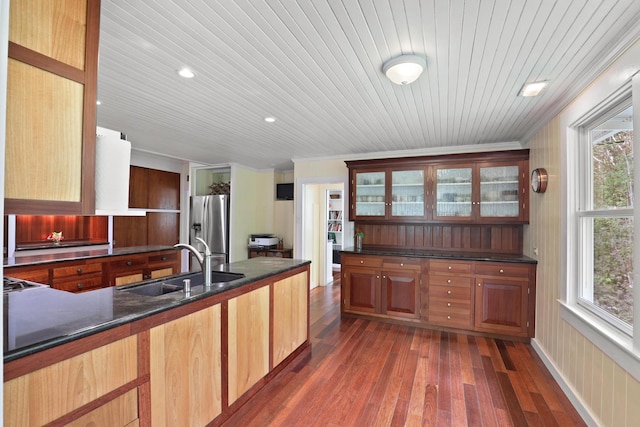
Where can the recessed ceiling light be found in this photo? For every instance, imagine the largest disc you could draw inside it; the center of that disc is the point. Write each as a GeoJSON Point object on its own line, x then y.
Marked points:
{"type": "Point", "coordinates": [186, 73]}
{"type": "Point", "coordinates": [269, 119]}
{"type": "Point", "coordinates": [98, 102]}
{"type": "Point", "coordinates": [532, 89]}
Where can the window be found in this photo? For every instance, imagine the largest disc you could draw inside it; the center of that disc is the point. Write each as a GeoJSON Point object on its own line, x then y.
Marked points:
{"type": "Point", "coordinates": [605, 216]}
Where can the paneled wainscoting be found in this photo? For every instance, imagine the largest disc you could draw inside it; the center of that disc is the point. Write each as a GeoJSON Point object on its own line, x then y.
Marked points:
{"type": "Point", "coordinates": [366, 373]}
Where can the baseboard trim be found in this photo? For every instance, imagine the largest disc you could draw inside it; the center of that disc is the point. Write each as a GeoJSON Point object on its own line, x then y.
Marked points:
{"type": "Point", "coordinates": [566, 388]}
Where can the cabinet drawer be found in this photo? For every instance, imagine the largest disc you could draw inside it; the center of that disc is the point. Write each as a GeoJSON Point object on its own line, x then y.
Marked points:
{"type": "Point", "coordinates": [128, 263]}
{"type": "Point", "coordinates": [38, 276]}
{"type": "Point", "coordinates": [164, 258]}
{"type": "Point", "coordinates": [450, 280]}
{"type": "Point", "coordinates": [80, 284]}
{"type": "Point", "coordinates": [450, 266]}
{"type": "Point", "coordinates": [454, 320]}
{"type": "Point", "coordinates": [364, 261]}
{"type": "Point", "coordinates": [76, 270]}
{"type": "Point", "coordinates": [451, 293]}
{"type": "Point", "coordinates": [502, 269]}
{"type": "Point", "coordinates": [450, 306]}
{"type": "Point", "coordinates": [401, 264]}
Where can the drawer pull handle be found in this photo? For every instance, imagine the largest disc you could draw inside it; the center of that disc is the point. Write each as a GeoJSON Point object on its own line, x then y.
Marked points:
{"type": "Point", "coordinates": [479, 284]}
{"type": "Point", "coordinates": [448, 292]}
{"type": "Point", "coordinates": [80, 285]}
{"type": "Point", "coordinates": [377, 277]}
{"type": "Point", "coordinates": [79, 271]}
{"type": "Point", "coordinates": [501, 271]}
{"type": "Point", "coordinates": [401, 264]}
{"type": "Point", "coordinates": [448, 304]}
{"type": "Point", "coordinates": [448, 317]}
{"type": "Point", "coordinates": [449, 281]}
{"type": "Point", "coordinates": [450, 267]}
{"type": "Point", "coordinates": [164, 258]}
{"type": "Point", "coordinates": [361, 262]}
{"type": "Point", "coordinates": [129, 263]}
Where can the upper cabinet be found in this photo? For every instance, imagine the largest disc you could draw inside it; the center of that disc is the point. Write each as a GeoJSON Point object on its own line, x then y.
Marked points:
{"type": "Point", "coordinates": [477, 188]}
{"type": "Point", "coordinates": [51, 107]}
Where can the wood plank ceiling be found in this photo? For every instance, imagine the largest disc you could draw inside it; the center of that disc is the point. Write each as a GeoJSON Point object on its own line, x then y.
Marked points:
{"type": "Point", "coordinates": [316, 66]}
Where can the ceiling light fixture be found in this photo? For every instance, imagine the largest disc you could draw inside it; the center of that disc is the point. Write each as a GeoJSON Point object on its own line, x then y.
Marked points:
{"type": "Point", "coordinates": [404, 69]}
{"type": "Point", "coordinates": [269, 119]}
{"type": "Point", "coordinates": [186, 73]}
{"type": "Point", "coordinates": [532, 89]}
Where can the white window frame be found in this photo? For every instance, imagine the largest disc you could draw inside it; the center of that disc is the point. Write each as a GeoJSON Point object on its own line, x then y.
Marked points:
{"type": "Point", "coordinates": [604, 330]}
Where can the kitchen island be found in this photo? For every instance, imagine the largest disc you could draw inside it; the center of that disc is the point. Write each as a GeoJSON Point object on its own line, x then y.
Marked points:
{"type": "Point", "coordinates": [120, 357]}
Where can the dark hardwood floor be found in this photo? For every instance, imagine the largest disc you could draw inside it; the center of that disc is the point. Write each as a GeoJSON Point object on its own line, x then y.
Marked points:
{"type": "Point", "coordinates": [366, 373]}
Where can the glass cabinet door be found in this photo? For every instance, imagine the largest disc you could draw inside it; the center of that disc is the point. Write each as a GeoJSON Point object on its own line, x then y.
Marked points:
{"type": "Point", "coordinates": [453, 192]}
{"type": "Point", "coordinates": [370, 194]}
{"type": "Point", "coordinates": [407, 193]}
{"type": "Point", "coordinates": [499, 195]}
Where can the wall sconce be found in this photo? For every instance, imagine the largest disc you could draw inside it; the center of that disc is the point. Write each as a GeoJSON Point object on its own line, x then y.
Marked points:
{"type": "Point", "coordinates": [404, 69]}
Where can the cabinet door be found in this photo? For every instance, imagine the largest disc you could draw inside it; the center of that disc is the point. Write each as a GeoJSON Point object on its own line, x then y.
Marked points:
{"type": "Point", "coordinates": [501, 192]}
{"type": "Point", "coordinates": [248, 332]}
{"type": "Point", "coordinates": [369, 198]}
{"type": "Point", "coordinates": [186, 378]}
{"type": "Point", "coordinates": [453, 193]}
{"type": "Point", "coordinates": [127, 270]}
{"type": "Point", "coordinates": [501, 306]}
{"type": "Point", "coordinates": [407, 193]}
{"type": "Point", "coordinates": [401, 293]}
{"type": "Point", "coordinates": [361, 290]}
{"type": "Point", "coordinates": [164, 190]}
{"type": "Point", "coordinates": [138, 187]}
{"type": "Point", "coordinates": [290, 322]}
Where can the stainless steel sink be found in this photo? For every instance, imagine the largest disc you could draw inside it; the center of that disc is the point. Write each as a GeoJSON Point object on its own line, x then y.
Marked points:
{"type": "Point", "coordinates": [175, 284]}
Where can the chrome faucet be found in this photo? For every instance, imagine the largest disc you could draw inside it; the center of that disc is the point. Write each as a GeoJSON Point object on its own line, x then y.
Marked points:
{"type": "Point", "coordinates": [205, 261]}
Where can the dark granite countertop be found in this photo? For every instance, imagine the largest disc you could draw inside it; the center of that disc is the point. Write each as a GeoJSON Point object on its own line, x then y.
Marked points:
{"type": "Point", "coordinates": [416, 253]}
{"type": "Point", "coordinates": [63, 244]}
{"type": "Point", "coordinates": [38, 319]}
{"type": "Point", "coordinates": [71, 255]}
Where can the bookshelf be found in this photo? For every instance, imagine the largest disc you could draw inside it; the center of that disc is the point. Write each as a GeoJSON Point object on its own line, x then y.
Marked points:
{"type": "Point", "coordinates": [335, 220]}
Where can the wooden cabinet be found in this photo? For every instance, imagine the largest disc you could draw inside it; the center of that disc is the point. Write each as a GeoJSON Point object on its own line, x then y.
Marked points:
{"type": "Point", "coordinates": [94, 273]}
{"type": "Point", "coordinates": [450, 291]}
{"type": "Point", "coordinates": [482, 296]}
{"type": "Point", "coordinates": [80, 277]}
{"type": "Point", "coordinates": [248, 336]}
{"type": "Point", "coordinates": [47, 394]}
{"type": "Point", "coordinates": [51, 107]}
{"type": "Point", "coordinates": [278, 253]}
{"type": "Point", "coordinates": [381, 285]}
{"type": "Point", "coordinates": [503, 301]}
{"type": "Point", "coordinates": [124, 270]}
{"type": "Point", "coordinates": [186, 359]}
{"type": "Point", "coordinates": [158, 191]}
{"type": "Point", "coordinates": [290, 316]}
{"type": "Point", "coordinates": [477, 188]}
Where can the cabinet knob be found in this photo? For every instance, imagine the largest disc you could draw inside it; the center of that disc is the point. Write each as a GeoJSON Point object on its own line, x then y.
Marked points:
{"type": "Point", "coordinates": [164, 258]}
{"type": "Point", "coordinates": [377, 277]}
{"type": "Point", "coordinates": [448, 292]}
{"type": "Point", "coordinates": [361, 262]}
{"type": "Point", "coordinates": [450, 267]}
{"type": "Point", "coordinates": [449, 281]}
{"type": "Point", "coordinates": [384, 277]}
{"type": "Point", "coordinates": [448, 304]}
{"type": "Point", "coordinates": [479, 284]}
{"type": "Point", "coordinates": [80, 285]}
{"type": "Point", "coordinates": [79, 271]}
{"type": "Point", "coordinates": [129, 263]}
{"type": "Point", "coordinates": [501, 271]}
{"type": "Point", "coordinates": [401, 264]}
{"type": "Point", "coordinates": [448, 317]}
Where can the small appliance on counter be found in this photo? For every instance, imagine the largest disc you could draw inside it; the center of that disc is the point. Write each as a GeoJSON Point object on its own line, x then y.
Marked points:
{"type": "Point", "coordinates": [263, 241]}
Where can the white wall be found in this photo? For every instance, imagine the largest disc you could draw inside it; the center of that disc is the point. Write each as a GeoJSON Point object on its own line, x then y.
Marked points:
{"type": "Point", "coordinates": [598, 385]}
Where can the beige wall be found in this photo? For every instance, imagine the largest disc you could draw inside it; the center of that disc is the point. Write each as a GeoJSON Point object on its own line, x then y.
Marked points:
{"type": "Point", "coordinates": [283, 225]}
{"type": "Point", "coordinates": [605, 390]}
{"type": "Point", "coordinates": [252, 207]}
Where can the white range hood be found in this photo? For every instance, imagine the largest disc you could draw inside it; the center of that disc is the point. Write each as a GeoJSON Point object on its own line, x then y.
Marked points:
{"type": "Point", "coordinates": [113, 158]}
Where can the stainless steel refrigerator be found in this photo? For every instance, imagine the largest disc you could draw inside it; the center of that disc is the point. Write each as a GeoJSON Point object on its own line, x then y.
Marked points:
{"type": "Point", "coordinates": [210, 221]}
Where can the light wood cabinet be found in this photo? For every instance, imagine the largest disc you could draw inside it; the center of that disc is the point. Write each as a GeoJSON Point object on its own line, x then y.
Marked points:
{"type": "Point", "coordinates": [46, 394]}
{"type": "Point", "coordinates": [186, 369]}
{"type": "Point", "coordinates": [248, 347]}
{"type": "Point", "coordinates": [121, 411]}
{"type": "Point", "coordinates": [124, 270]}
{"type": "Point", "coordinates": [290, 315]}
{"type": "Point", "coordinates": [51, 107]}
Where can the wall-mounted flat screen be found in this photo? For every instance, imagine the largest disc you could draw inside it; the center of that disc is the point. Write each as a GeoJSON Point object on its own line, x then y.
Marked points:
{"type": "Point", "coordinates": [284, 191]}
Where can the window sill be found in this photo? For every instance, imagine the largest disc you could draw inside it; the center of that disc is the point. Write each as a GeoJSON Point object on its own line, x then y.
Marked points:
{"type": "Point", "coordinates": [610, 341]}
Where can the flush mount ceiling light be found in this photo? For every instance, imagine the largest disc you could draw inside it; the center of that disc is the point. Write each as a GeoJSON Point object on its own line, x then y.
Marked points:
{"type": "Point", "coordinates": [532, 89]}
{"type": "Point", "coordinates": [404, 69]}
{"type": "Point", "coordinates": [269, 119]}
{"type": "Point", "coordinates": [186, 73]}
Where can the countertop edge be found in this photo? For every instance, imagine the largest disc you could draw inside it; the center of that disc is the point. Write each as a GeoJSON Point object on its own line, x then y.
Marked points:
{"type": "Point", "coordinates": [467, 256]}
